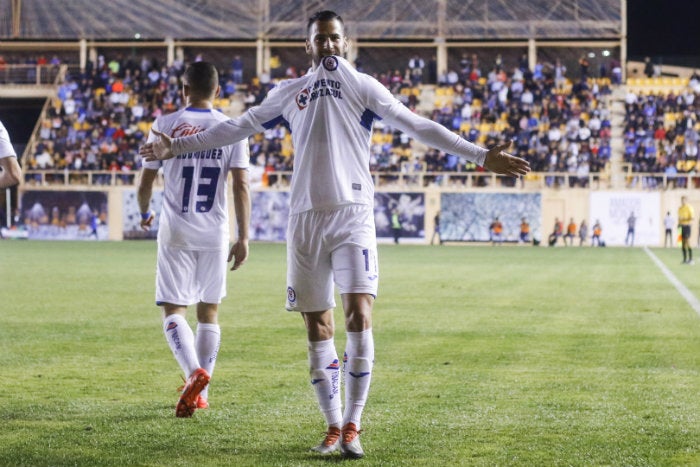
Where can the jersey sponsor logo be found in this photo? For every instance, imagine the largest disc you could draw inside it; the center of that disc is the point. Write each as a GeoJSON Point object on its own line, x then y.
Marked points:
{"type": "Point", "coordinates": [302, 99]}
{"type": "Point", "coordinates": [330, 63]}
{"type": "Point", "coordinates": [291, 296]}
{"type": "Point", "coordinates": [356, 186]}
{"type": "Point", "coordinates": [320, 88]}
{"type": "Point", "coordinates": [186, 129]}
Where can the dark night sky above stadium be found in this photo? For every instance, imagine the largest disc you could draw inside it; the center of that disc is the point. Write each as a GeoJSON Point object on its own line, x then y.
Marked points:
{"type": "Point", "coordinates": [663, 27]}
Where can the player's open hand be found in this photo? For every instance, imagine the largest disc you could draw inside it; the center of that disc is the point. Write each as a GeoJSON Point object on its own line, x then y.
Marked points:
{"type": "Point", "coordinates": [238, 253]}
{"type": "Point", "coordinates": [158, 150]}
{"type": "Point", "coordinates": [500, 162]}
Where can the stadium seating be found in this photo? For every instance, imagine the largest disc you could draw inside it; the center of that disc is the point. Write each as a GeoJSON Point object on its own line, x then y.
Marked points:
{"type": "Point", "coordinates": [93, 129]}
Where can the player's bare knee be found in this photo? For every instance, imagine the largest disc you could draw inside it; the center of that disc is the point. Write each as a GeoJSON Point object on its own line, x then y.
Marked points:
{"type": "Point", "coordinates": [319, 325]}
{"type": "Point", "coordinates": [358, 320]}
{"type": "Point", "coordinates": [207, 313]}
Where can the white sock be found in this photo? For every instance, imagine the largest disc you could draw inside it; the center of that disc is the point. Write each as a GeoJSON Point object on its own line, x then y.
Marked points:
{"type": "Point", "coordinates": [181, 341]}
{"type": "Point", "coordinates": [325, 379]}
{"type": "Point", "coordinates": [207, 342]}
{"type": "Point", "coordinates": [357, 369]}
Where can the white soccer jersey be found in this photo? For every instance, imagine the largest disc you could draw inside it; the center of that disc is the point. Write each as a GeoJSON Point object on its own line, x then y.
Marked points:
{"type": "Point", "coordinates": [331, 160]}
{"type": "Point", "coordinates": [195, 208]}
{"type": "Point", "coordinates": [6, 149]}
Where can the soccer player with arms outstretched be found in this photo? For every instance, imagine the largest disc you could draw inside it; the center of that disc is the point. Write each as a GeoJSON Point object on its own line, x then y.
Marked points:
{"type": "Point", "coordinates": [331, 237]}
{"type": "Point", "coordinates": [193, 236]}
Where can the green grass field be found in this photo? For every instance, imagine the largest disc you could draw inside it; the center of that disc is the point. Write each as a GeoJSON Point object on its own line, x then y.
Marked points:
{"type": "Point", "coordinates": [510, 356]}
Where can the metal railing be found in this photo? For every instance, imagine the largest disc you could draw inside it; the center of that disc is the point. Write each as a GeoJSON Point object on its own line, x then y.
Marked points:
{"type": "Point", "coordinates": [30, 74]}
{"type": "Point", "coordinates": [78, 178]}
{"type": "Point", "coordinates": [397, 180]}
{"type": "Point", "coordinates": [463, 180]}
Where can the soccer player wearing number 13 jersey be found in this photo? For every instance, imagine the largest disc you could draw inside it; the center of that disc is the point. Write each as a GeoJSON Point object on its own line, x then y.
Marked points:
{"type": "Point", "coordinates": [331, 237]}
{"type": "Point", "coordinates": [193, 235]}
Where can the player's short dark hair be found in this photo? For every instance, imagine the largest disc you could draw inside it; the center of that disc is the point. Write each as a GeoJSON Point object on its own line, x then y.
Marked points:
{"type": "Point", "coordinates": [202, 78]}
{"type": "Point", "coordinates": [324, 15]}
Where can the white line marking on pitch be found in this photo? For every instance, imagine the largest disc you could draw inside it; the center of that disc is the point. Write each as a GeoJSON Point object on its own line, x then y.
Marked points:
{"type": "Point", "coordinates": [682, 289]}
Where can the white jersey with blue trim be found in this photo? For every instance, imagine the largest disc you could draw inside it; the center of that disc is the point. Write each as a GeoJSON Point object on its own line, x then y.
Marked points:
{"type": "Point", "coordinates": [6, 149]}
{"type": "Point", "coordinates": [195, 207]}
{"type": "Point", "coordinates": [330, 112]}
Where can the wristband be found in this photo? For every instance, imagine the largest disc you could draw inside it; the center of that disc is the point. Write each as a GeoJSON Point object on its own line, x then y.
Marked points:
{"type": "Point", "coordinates": [146, 215]}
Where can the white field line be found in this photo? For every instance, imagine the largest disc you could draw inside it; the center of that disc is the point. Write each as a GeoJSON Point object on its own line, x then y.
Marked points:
{"type": "Point", "coordinates": [682, 289]}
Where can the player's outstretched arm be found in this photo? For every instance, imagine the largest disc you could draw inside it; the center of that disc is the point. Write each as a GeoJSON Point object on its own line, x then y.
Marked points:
{"type": "Point", "coordinates": [500, 162]}
{"type": "Point", "coordinates": [158, 150]}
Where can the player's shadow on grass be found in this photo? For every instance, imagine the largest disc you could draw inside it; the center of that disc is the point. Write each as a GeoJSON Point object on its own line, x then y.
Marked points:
{"type": "Point", "coordinates": [334, 458]}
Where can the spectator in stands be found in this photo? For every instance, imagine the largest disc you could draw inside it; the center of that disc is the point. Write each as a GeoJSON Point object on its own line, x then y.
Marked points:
{"type": "Point", "coordinates": [648, 67]}
{"type": "Point", "coordinates": [583, 64]}
{"type": "Point", "coordinates": [616, 71]}
{"type": "Point", "coordinates": [559, 74]}
{"type": "Point", "coordinates": [432, 70]}
{"type": "Point", "coordinates": [416, 65]}
{"type": "Point", "coordinates": [237, 69]}
{"type": "Point", "coordinates": [43, 158]}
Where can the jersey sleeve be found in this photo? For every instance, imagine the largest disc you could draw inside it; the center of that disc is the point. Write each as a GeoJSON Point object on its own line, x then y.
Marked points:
{"type": "Point", "coordinates": [254, 120]}
{"type": "Point", "coordinates": [6, 148]}
{"type": "Point", "coordinates": [428, 132]}
{"type": "Point", "coordinates": [240, 155]}
{"type": "Point", "coordinates": [153, 165]}
{"type": "Point", "coordinates": [222, 134]}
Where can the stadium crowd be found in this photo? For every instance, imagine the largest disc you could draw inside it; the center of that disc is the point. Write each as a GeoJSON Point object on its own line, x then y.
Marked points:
{"type": "Point", "coordinates": [559, 124]}
{"type": "Point", "coordinates": [661, 132]}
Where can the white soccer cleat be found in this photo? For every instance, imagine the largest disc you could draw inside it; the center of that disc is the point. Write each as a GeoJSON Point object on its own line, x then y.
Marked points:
{"type": "Point", "coordinates": [350, 446]}
{"type": "Point", "coordinates": [330, 443]}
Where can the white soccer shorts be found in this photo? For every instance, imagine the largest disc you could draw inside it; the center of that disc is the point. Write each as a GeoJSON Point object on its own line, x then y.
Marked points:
{"type": "Point", "coordinates": [186, 277]}
{"type": "Point", "coordinates": [324, 248]}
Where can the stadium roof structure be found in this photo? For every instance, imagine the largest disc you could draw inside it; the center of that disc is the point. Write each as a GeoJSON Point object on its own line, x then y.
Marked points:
{"type": "Point", "coordinates": [285, 19]}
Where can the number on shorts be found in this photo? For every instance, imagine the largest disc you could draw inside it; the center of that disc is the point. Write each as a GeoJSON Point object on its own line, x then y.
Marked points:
{"type": "Point", "coordinates": [370, 264]}
{"type": "Point", "coordinates": [203, 189]}
{"type": "Point", "coordinates": [368, 259]}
